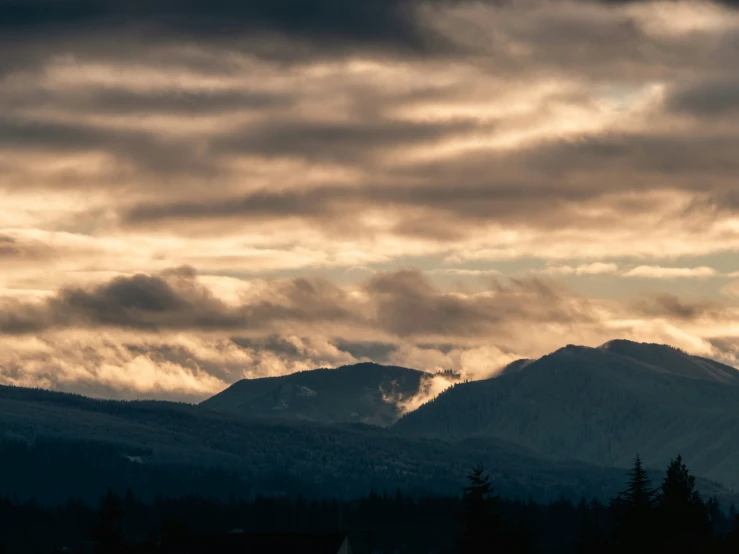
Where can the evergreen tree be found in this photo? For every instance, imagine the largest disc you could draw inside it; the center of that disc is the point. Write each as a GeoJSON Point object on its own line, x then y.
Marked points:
{"type": "Point", "coordinates": [683, 515]}
{"type": "Point", "coordinates": [634, 512]}
{"type": "Point", "coordinates": [108, 529]}
{"type": "Point", "coordinates": [639, 495]}
{"type": "Point", "coordinates": [481, 530]}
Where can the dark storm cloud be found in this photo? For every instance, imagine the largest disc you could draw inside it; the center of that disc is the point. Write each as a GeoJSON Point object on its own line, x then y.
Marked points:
{"type": "Point", "coordinates": [332, 22]}
{"type": "Point", "coordinates": [713, 98]}
{"type": "Point", "coordinates": [444, 348]}
{"type": "Point", "coordinates": [376, 351]}
{"type": "Point", "coordinates": [260, 204]}
{"type": "Point", "coordinates": [144, 301]}
{"type": "Point", "coordinates": [663, 153]}
{"type": "Point", "coordinates": [388, 21]}
{"type": "Point", "coordinates": [303, 301]}
{"type": "Point", "coordinates": [9, 247]}
{"type": "Point", "coordinates": [403, 303]}
{"type": "Point", "coordinates": [670, 306]}
{"type": "Point", "coordinates": [272, 343]}
{"type": "Point", "coordinates": [141, 301]}
{"type": "Point", "coordinates": [147, 151]}
{"type": "Point", "coordinates": [112, 101]}
{"type": "Point", "coordinates": [345, 142]}
{"type": "Point", "coordinates": [408, 304]}
{"type": "Point", "coordinates": [466, 201]}
{"type": "Point", "coordinates": [349, 143]}
{"type": "Point", "coordinates": [175, 300]}
{"type": "Point", "coordinates": [18, 318]}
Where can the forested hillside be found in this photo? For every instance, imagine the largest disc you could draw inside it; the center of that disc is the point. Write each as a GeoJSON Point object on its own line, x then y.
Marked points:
{"type": "Point", "coordinates": [78, 444]}
{"type": "Point", "coordinates": [359, 393]}
{"type": "Point", "coordinates": [601, 405]}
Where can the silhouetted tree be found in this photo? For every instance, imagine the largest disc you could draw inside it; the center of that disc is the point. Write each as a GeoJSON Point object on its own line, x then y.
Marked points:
{"type": "Point", "coordinates": [683, 516]}
{"type": "Point", "coordinates": [481, 531]}
{"type": "Point", "coordinates": [634, 512]}
{"type": "Point", "coordinates": [108, 529]}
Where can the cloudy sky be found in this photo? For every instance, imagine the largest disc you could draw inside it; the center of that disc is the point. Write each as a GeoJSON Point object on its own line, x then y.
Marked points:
{"type": "Point", "coordinates": [195, 192]}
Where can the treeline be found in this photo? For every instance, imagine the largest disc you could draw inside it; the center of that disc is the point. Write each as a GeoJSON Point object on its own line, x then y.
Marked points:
{"type": "Point", "coordinates": [51, 470]}
{"type": "Point", "coordinates": [671, 518]}
{"type": "Point", "coordinates": [242, 457]}
{"type": "Point", "coordinates": [388, 522]}
{"type": "Point", "coordinates": [668, 518]}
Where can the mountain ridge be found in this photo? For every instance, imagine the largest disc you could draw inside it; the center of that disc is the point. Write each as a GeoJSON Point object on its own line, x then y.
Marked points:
{"type": "Point", "coordinates": [601, 405]}
{"type": "Point", "coordinates": [351, 393]}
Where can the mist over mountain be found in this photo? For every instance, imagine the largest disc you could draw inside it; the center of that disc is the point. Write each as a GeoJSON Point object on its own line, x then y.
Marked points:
{"type": "Point", "coordinates": [601, 405]}
{"type": "Point", "coordinates": [361, 393]}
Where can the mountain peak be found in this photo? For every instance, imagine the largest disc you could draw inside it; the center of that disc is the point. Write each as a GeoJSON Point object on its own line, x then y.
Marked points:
{"type": "Point", "coordinates": [354, 393]}
{"type": "Point", "coordinates": [600, 405]}
{"type": "Point", "coordinates": [619, 345]}
{"type": "Point", "coordinates": [516, 366]}
{"type": "Point", "coordinates": [672, 360]}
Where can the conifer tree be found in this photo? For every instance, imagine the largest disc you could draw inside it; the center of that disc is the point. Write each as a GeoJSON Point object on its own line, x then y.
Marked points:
{"type": "Point", "coordinates": [481, 530]}
{"type": "Point", "coordinates": [639, 495]}
{"type": "Point", "coordinates": [683, 515]}
{"type": "Point", "coordinates": [634, 511]}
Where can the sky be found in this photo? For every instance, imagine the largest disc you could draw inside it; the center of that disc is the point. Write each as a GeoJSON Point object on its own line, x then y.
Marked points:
{"type": "Point", "coordinates": [196, 192]}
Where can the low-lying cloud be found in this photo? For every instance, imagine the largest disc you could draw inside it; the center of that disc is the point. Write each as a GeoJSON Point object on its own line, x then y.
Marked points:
{"type": "Point", "coordinates": [172, 335]}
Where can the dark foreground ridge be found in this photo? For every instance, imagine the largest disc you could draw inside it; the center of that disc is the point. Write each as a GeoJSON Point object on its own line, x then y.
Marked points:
{"type": "Point", "coordinates": [668, 518]}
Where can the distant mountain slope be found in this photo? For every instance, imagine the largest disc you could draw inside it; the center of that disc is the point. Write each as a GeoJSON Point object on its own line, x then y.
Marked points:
{"type": "Point", "coordinates": [601, 405]}
{"type": "Point", "coordinates": [670, 360]}
{"type": "Point", "coordinates": [79, 447]}
{"type": "Point", "coordinates": [355, 393]}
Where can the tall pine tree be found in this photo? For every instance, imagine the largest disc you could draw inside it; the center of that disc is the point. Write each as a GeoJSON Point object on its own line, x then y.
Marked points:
{"type": "Point", "coordinates": [683, 516]}
{"type": "Point", "coordinates": [634, 512]}
{"type": "Point", "coordinates": [481, 519]}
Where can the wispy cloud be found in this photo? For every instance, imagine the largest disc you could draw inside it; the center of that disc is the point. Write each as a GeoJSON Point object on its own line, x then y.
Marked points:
{"type": "Point", "coordinates": [596, 268]}
{"type": "Point", "coordinates": [659, 272]}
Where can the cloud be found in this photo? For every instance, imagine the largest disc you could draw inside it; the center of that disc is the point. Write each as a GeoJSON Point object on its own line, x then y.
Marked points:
{"type": "Point", "coordinates": [658, 272]}
{"type": "Point", "coordinates": [177, 334]}
{"type": "Point", "coordinates": [401, 303]}
{"type": "Point", "coordinates": [670, 306]}
{"type": "Point", "coordinates": [413, 155]}
{"type": "Point", "coordinates": [276, 146]}
{"type": "Point", "coordinates": [595, 268]}
{"type": "Point", "coordinates": [406, 304]}
{"type": "Point", "coordinates": [430, 387]}
{"type": "Point", "coordinates": [710, 98]}
{"type": "Point", "coordinates": [287, 29]}
{"type": "Point", "coordinates": [732, 289]}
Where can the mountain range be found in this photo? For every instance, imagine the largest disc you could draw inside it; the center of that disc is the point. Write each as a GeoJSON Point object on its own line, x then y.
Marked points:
{"type": "Point", "coordinates": [601, 405]}
{"type": "Point", "coordinates": [566, 424]}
